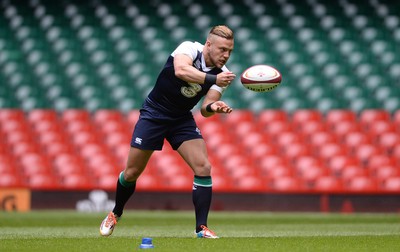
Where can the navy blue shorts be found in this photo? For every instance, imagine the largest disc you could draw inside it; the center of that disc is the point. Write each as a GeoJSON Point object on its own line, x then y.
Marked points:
{"type": "Point", "coordinates": [149, 134]}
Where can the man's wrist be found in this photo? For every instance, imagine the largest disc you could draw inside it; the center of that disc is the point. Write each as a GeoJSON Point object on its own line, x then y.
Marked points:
{"type": "Point", "coordinates": [209, 109]}
{"type": "Point", "coordinates": [210, 79]}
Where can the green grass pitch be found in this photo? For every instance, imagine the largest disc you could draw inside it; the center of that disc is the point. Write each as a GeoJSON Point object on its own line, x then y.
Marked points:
{"type": "Point", "coordinates": [173, 231]}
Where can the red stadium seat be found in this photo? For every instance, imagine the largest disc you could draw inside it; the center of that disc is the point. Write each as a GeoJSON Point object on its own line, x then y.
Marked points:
{"type": "Point", "coordinates": [305, 120]}
{"type": "Point", "coordinates": [273, 129]}
{"type": "Point", "coordinates": [9, 180]}
{"type": "Point", "coordinates": [46, 126]}
{"type": "Point", "coordinates": [261, 150]}
{"type": "Point", "coordinates": [7, 164]}
{"type": "Point", "coordinates": [355, 139]}
{"type": "Point", "coordinates": [361, 184]}
{"type": "Point", "coordinates": [306, 161]}
{"type": "Point", "coordinates": [36, 168]}
{"type": "Point", "coordinates": [327, 184]}
{"type": "Point", "coordinates": [253, 140]}
{"type": "Point", "coordinates": [104, 115]}
{"type": "Point", "coordinates": [378, 128]}
{"type": "Point", "coordinates": [221, 183]}
{"type": "Point", "coordinates": [114, 126]}
{"type": "Point", "coordinates": [370, 116]}
{"type": "Point", "coordinates": [201, 120]}
{"type": "Point", "coordinates": [42, 181]}
{"type": "Point", "coordinates": [294, 150]}
{"type": "Point", "coordinates": [284, 184]}
{"type": "Point", "coordinates": [7, 115]}
{"type": "Point", "coordinates": [384, 172]}
{"type": "Point", "coordinates": [311, 173]}
{"type": "Point", "coordinates": [391, 184]}
{"type": "Point", "coordinates": [396, 120]}
{"type": "Point", "coordinates": [79, 126]}
{"type": "Point", "coordinates": [343, 128]}
{"type": "Point", "coordinates": [40, 115]}
{"type": "Point", "coordinates": [108, 182]}
{"type": "Point", "coordinates": [133, 116]}
{"type": "Point", "coordinates": [243, 128]}
{"type": "Point", "coordinates": [304, 116]}
{"type": "Point", "coordinates": [336, 116]}
{"type": "Point", "coordinates": [271, 161]}
{"type": "Point", "coordinates": [387, 141]}
{"type": "Point", "coordinates": [179, 183]}
{"type": "Point", "coordinates": [280, 170]}
{"type": "Point", "coordinates": [287, 138]}
{"type": "Point", "coordinates": [75, 115]}
{"type": "Point", "coordinates": [250, 183]}
{"type": "Point", "coordinates": [308, 129]}
{"type": "Point", "coordinates": [114, 139]}
{"type": "Point", "coordinates": [320, 138]}
{"type": "Point", "coordinates": [24, 147]}
{"type": "Point", "coordinates": [330, 150]}
{"type": "Point", "coordinates": [365, 151]}
{"type": "Point", "coordinates": [82, 138]}
{"type": "Point", "coordinates": [76, 181]}
{"type": "Point", "coordinates": [16, 137]}
{"type": "Point", "coordinates": [238, 116]}
{"type": "Point", "coordinates": [271, 115]}
{"type": "Point", "coordinates": [396, 153]}
{"type": "Point", "coordinates": [51, 137]}
{"type": "Point", "coordinates": [352, 171]}
{"type": "Point", "coordinates": [338, 163]}
{"type": "Point", "coordinates": [379, 160]}
{"type": "Point", "coordinates": [92, 150]}
{"type": "Point", "coordinates": [10, 128]}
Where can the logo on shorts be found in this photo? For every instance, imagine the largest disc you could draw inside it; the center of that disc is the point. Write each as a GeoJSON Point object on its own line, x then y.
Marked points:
{"type": "Point", "coordinates": [138, 140]}
{"type": "Point", "coordinates": [198, 131]}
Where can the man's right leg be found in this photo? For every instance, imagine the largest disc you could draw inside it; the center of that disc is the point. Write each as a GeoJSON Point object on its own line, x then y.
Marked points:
{"type": "Point", "coordinates": [126, 184]}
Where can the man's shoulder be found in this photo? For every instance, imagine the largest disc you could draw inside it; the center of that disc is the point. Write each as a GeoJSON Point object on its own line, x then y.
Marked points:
{"type": "Point", "coordinates": [192, 44]}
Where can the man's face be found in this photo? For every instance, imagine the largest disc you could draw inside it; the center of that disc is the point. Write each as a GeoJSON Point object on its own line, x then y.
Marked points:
{"type": "Point", "coordinates": [219, 50]}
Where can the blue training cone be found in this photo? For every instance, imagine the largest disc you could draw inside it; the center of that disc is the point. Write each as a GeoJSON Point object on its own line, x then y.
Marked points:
{"type": "Point", "coordinates": [147, 242]}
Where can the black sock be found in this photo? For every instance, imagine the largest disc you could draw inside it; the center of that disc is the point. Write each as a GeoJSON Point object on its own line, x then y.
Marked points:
{"type": "Point", "coordinates": [124, 192]}
{"type": "Point", "coordinates": [202, 194]}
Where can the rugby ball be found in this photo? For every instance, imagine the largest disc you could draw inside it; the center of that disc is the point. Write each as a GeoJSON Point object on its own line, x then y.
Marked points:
{"type": "Point", "coordinates": [261, 78]}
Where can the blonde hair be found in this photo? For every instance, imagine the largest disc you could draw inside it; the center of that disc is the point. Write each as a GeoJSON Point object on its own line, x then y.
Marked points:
{"type": "Point", "coordinates": [222, 31]}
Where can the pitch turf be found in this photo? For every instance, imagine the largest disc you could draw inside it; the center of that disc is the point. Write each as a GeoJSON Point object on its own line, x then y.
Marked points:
{"type": "Point", "coordinates": [172, 231]}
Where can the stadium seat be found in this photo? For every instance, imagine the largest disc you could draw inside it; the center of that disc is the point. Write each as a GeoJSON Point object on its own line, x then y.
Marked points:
{"type": "Point", "coordinates": [335, 116]}
{"type": "Point", "coordinates": [267, 116]}
{"type": "Point", "coordinates": [391, 184]}
{"type": "Point", "coordinates": [368, 117]}
{"type": "Point", "coordinates": [387, 141]}
{"type": "Point", "coordinates": [327, 184]}
{"type": "Point", "coordinates": [365, 151]}
{"type": "Point", "coordinates": [377, 128]}
{"type": "Point", "coordinates": [42, 181]}
{"type": "Point", "coordinates": [9, 180]}
{"type": "Point", "coordinates": [361, 184]}
{"type": "Point", "coordinates": [71, 115]}
{"type": "Point", "coordinates": [40, 115]}
{"type": "Point", "coordinates": [11, 115]}
{"type": "Point", "coordinates": [301, 117]}
{"type": "Point", "coordinates": [286, 184]}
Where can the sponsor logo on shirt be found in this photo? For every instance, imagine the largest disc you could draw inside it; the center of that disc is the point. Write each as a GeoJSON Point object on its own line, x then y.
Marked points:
{"type": "Point", "coordinates": [191, 90]}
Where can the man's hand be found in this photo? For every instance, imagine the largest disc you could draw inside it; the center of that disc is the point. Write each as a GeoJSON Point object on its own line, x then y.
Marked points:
{"type": "Point", "coordinates": [225, 78]}
{"type": "Point", "coordinates": [221, 107]}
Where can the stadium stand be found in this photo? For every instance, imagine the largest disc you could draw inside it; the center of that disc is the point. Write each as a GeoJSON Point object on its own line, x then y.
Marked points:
{"type": "Point", "coordinates": [74, 73]}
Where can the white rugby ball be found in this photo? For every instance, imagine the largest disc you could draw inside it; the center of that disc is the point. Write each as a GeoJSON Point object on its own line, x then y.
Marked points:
{"type": "Point", "coordinates": [261, 78]}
